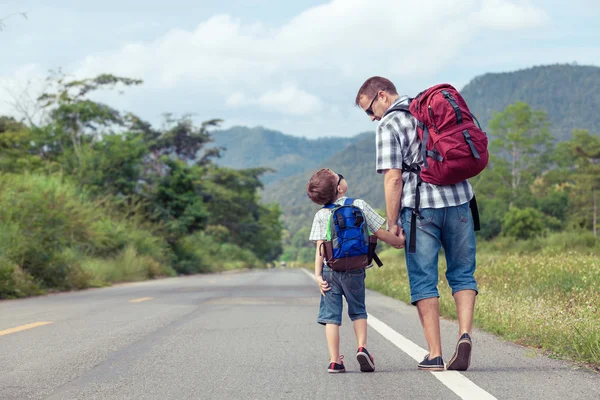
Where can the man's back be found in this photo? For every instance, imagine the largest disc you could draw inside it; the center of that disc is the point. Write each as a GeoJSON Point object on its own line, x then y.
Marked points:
{"type": "Point", "coordinates": [397, 145]}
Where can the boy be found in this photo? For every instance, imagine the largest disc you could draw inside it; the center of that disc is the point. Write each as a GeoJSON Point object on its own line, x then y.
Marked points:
{"type": "Point", "coordinates": [325, 187]}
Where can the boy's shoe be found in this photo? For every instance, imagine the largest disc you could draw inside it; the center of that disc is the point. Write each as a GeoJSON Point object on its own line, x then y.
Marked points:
{"type": "Point", "coordinates": [461, 359]}
{"type": "Point", "coordinates": [436, 364]}
{"type": "Point", "coordinates": [335, 368]}
{"type": "Point", "coordinates": [365, 360]}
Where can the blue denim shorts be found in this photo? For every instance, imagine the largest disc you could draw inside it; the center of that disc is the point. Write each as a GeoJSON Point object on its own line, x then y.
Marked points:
{"type": "Point", "coordinates": [351, 285]}
{"type": "Point", "coordinates": [450, 228]}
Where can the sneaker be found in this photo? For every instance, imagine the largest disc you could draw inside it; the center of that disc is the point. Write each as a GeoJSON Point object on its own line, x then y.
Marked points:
{"type": "Point", "coordinates": [436, 364]}
{"type": "Point", "coordinates": [365, 360]}
{"type": "Point", "coordinates": [335, 368]}
{"type": "Point", "coordinates": [461, 359]}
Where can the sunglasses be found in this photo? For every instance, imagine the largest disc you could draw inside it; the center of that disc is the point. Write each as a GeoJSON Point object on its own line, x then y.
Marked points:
{"type": "Point", "coordinates": [339, 181]}
{"type": "Point", "coordinates": [369, 110]}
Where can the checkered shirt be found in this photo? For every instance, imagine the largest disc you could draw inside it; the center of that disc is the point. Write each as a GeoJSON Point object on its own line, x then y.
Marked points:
{"type": "Point", "coordinates": [397, 142]}
{"type": "Point", "coordinates": [319, 226]}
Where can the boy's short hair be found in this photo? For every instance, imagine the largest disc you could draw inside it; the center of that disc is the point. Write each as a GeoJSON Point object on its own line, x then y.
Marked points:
{"type": "Point", "coordinates": [322, 187]}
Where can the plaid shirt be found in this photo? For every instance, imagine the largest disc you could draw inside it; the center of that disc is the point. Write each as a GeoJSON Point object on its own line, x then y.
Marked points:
{"type": "Point", "coordinates": [319, 226]}
{"type": "Point", "coordinates": [397, 142]}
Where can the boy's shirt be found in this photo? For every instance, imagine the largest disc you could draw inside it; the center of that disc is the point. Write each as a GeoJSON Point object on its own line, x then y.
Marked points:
{"type": "Point", "coordinates": [319, 226]}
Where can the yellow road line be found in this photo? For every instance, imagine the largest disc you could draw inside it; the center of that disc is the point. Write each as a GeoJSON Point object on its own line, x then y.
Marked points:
{"type": "Point", "coordinates": [23, 328]}
{"type": "Point", "coordinates": [140, 300]}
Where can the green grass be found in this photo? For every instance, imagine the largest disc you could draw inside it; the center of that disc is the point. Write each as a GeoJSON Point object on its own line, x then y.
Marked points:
{"type": "Point", "coordinates": [547, 299]}
{"type": "Point", "coordinates": [54, 237]}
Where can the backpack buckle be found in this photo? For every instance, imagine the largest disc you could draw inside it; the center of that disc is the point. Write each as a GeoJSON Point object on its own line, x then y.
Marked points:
{"type": "Point", "coordinates": [417, 213]}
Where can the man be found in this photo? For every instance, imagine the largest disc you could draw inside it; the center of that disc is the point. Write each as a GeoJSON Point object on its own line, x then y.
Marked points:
{"type": "Point", "coordinates": [444, 221]}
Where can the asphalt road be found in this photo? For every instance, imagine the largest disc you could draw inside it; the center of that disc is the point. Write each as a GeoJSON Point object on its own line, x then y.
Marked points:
{"type": "Point", "coordinates": [250, 335]}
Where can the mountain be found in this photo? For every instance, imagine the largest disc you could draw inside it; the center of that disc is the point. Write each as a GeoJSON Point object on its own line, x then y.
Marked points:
{"type": "Point", "coordinates": [569, 94]}
{"type": "Point", "coordinates": [356, 163]}
{"type": "Point", "coordinates": [288, 155]}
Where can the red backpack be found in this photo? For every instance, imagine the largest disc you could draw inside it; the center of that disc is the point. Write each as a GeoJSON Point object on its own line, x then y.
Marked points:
{"type": "Point", "coordinates": [453, 148]}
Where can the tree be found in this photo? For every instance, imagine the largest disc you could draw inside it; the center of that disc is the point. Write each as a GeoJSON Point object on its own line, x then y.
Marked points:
{"type": "Point", "coordinates": [579, 159]}
{"type": "Point", "coordinates": [521, 148]}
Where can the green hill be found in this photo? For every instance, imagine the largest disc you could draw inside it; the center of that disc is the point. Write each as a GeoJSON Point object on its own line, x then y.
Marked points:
{"type": "Point", "coordinates": [569, 94]}
{"type": "Point", "coordinates": [288, 155]}
{"type": "Point", "coordinates": [356, 163]}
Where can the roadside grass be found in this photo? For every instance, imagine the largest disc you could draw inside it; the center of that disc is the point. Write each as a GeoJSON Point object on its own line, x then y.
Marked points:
{"type": "Point", "coordinates": [548, 299]}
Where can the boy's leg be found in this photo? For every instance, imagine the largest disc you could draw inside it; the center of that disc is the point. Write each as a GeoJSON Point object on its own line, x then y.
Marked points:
{"type": "Point", "coordinates": [422, 269]}
{"type": "Point", "coordinates": [354, 290]}
{"type": "Point", "coordinates": [360, 329]}
{"type": "Point", "coordinates": [353, 286]}
{"type": "Point", "coordinates": [332, 332]}
{"type": "Point", "coordinates": [330, 314]}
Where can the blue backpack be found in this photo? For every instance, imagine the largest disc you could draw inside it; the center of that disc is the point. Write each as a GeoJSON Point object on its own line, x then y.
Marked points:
{"type": "Point", "coordinates": [348, 245]}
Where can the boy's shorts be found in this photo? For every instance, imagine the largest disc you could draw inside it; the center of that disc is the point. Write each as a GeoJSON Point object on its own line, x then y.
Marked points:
{"type": "Point", "coordinates": [348, 284]}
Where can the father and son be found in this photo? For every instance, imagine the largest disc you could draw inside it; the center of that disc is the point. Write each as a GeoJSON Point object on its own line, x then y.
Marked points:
{"type": "Point", "coordinates": [426, 149]}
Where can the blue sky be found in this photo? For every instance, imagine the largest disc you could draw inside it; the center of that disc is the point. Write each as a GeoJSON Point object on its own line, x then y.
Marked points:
{"type": "Point", "coordinates": [293, 67]}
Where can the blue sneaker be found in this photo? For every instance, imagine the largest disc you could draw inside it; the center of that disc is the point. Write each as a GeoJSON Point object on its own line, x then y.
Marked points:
{"type": "Point", "coordinates": [335, 368]}
{"type": "Point", "coordinates": [365, 360]}
{"type": "Point", "coordinates": [435, 364]}
{"type": "Point", "coordinates": [461, 359]}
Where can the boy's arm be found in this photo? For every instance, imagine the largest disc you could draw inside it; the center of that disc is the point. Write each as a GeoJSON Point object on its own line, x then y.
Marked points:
{"type": "Point", "coordinates": [391, 239]}
{"type": "Point", "coordinates": [318, 260]}
{"type": "Point", "coordinates": [323, 285]}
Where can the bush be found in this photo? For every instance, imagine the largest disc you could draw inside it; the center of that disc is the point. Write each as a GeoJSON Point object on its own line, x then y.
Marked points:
{"type": "Point", "coordinates": [14, 282]}
{"type": "Point", "coordinates": [202, 253]}
{"type": "Point", "coordinates": [127, 266]}
{"type": "Point", "coordinates": [526, 223]}
{"type": "Point", "coordinates": [49, 229]}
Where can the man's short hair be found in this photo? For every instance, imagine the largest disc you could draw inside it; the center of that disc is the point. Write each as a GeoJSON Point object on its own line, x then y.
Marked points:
{"type": "Point", "coordinates": [322, 187]}
{"type": "Point", "coordinates": [373, 85]}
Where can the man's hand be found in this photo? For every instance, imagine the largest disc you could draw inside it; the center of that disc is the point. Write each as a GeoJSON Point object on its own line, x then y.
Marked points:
{"type": "Point", "coordinates": [401, 239]}
{"type": "Point", "coordinates": [323, 285]}
{"type": "Point", "coordinates": [394, 229]}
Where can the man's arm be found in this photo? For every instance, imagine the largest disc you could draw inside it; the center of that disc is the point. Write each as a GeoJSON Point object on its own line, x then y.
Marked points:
{"type": "Point", "coordinates": [392, 183]}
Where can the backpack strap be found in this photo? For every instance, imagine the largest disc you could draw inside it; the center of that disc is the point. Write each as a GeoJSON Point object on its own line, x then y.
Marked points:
{"type": "Point", "coordinates": [475, 214]}
{"type": "Point", "coordinates": [397, 107]}
{"type": "Point", "coordinates": [348, 201]}
{"type": "Point", "coordinates": [414, 169]}
{"type": "Point", "coordinates": [330, 206]}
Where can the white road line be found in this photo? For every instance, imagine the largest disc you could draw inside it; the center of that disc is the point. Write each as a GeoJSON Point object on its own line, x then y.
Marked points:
{"type": "Point", "coordinates": [454, 380]}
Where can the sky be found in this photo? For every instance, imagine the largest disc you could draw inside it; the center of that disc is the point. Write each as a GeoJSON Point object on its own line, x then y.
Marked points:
{"type": "Point", "coordinates": [294, 67]}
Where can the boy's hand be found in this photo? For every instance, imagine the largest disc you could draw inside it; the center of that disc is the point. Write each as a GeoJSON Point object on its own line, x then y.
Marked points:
{"type": "Point", "coordinates": [401, 240]}
{"type": "Point", "coordinates": [323, 285]}
{"type": "Point", "coordinates": [394, 229]}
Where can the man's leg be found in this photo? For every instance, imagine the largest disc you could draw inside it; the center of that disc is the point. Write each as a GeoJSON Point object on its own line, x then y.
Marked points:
{"type": "Point", "coordinates": [429, 313]}
{"type": "Point", "coordinates": [465, 306]}
{"type": "Point", "coordinates": [458, 239]}
{"type": "Point", "coordinates": [423, 272]}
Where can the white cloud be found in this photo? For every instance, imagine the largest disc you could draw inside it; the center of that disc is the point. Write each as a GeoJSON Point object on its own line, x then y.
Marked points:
{"type": "Point", "coordinates": [294, 76]}
{"type": "Point", "coordinates": [344, 37]}
{"type": "Point", "coordinates": [288, 100]}
{"type": "Point", "coordinates": [505, 15]}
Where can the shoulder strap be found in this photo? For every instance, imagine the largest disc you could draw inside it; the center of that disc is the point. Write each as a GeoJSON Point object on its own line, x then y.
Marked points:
{"type": "Point", "coordinates": [329, 206]}
{"type": "Point", "coordinates": [397, 107]}
{"type": "Point", "coordinates": [348, 201]}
